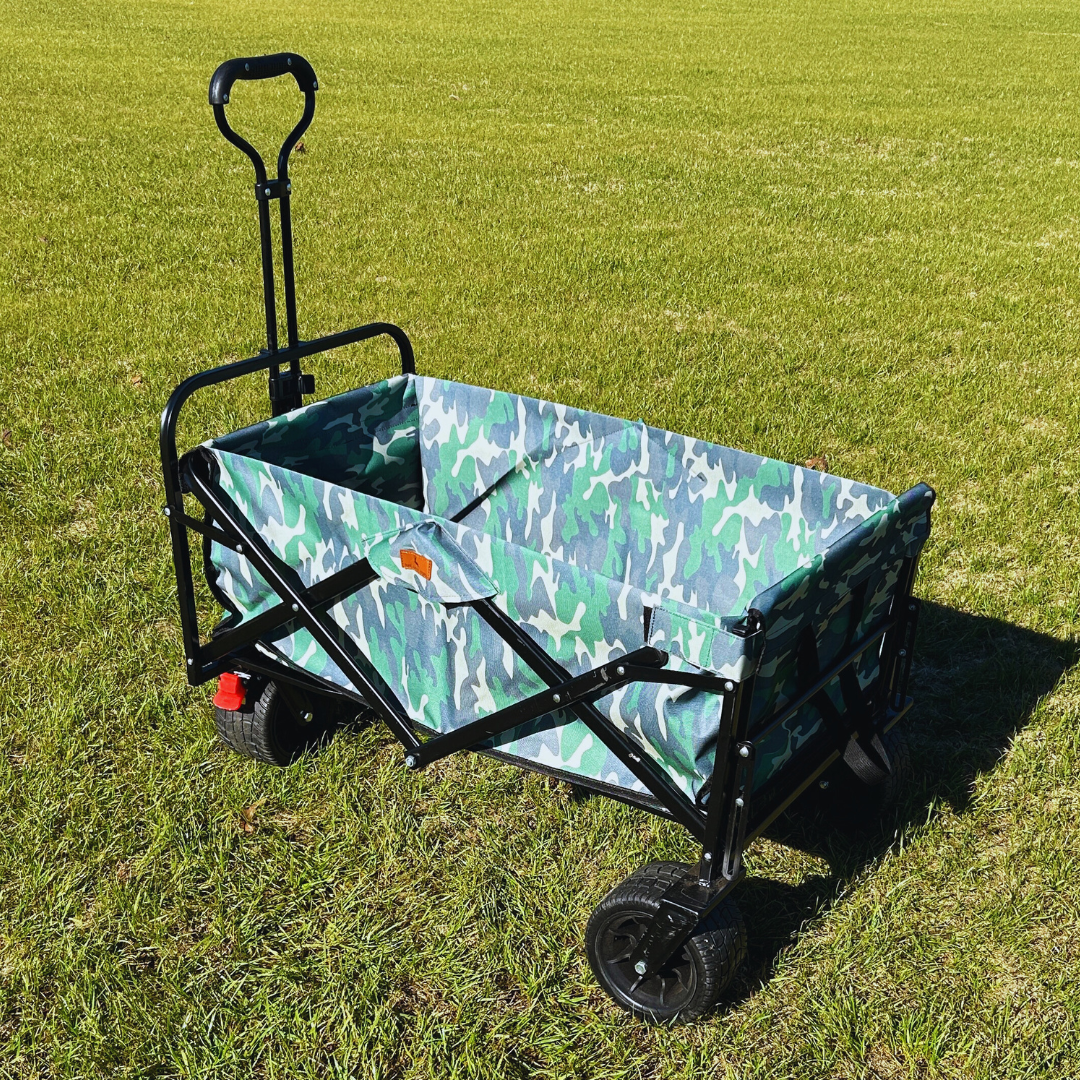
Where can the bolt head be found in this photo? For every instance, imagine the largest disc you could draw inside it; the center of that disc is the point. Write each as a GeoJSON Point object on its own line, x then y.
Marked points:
{"type": "Point", "coordinates": [641, 967]}
{"type": "Point", "coordinates": [556, 698]}
{"type": "Point", "coordinates": [167, 511]}
{"type": "Point", "coordinates": [288, 61]}
{"type": "Point", "coordinates": [190, 662]}
{"type": "Point", "coordinates": [620, 670]}
{"type": "Point", "coordinates": [744, 751]}
{"type": "Point", "coordinates": [308, 717]}
{"type": "Point", "coordinates": [267, 191]}
{"type": "Point", "coordinates": [911, 607]}
{"type": "Point", "coordinates": [240, 548]}
{"type": "Point", "coordinates": [823, 784]}
{"type": "Point", "coordinates": [410, 760]}
{"type": "Point", "coordinates": [247, 67]}
{"type": "Point", "coordinates": [739, 802]}
{"type": "Point", "coordinates": [729, 686]}
{"type": "Point", "coordinates": [707, 856]}
{"type": "Point", "coordinates": [296, 607]}
{"type": "Point", "coordinates": [903, 652]}
{"type": "Point", "coordinates": [225, 98]}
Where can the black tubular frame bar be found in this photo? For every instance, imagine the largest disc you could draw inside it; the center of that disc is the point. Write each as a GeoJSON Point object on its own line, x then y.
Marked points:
{"type": "Point", "coordinates": [179, 520]}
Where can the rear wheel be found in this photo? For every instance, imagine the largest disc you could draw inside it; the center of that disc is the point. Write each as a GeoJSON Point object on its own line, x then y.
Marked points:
{"type": "Point", "coordinates": [274, 729]}
{"type": "Point", "coordinates": [692, 981]}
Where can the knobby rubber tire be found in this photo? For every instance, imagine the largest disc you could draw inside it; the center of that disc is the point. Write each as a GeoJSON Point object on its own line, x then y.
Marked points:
{"type": "Point", "coordinates": [266, 729]}
{"type": "Point", "coordinates": [701, 971]}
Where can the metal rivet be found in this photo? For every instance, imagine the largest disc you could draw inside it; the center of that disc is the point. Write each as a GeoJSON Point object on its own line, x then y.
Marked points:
{"type": "Point", "coordinates": [729, 686]}
{"type": "Point", "coordinates": [556, 698]}
{"type": "Point", "coordinates": [739, 802]}
{"type": "Point", "coordinates": [296, 607]}
{"type": "Point", "coordinates": [308, 717]}
{"type": "Point", "coordinates": [640, 967]}
{"type": "Point", "coordinates": [288, 186]}
{"type": "Point", "coordinates": [744, 751]}
{"type": "Point", "coordinates": [190, 662]}
{"type": "Point", "coordinates": [620, 670]}
{"type": "Point", "coordinates": [911, 607]}
{"type": "Point", "coordinates": [240, 549]}
{"type": "Point", "coordinates": [314, 84]}
{"type": "Point", "coordinates": [247, 67]}
{"type": "Point", "coordinates": [633, 757]}
{"type": "Point", "coordinates": [823, 784]}
{"type": "Point", "coordinates": [289, 61]}
{"type": "Point", "coordinates": [225, 98]}
{"type": "Point", "coordinates": [903, 652]}
{"type": "Point", "coordinates": [707, 856]}
{"type": "Point", "coordinates": [267, 191]}
{"type": "Point", "coordinates": [167, 511]}
{"type": "Point", "coordinates": [410, 760]}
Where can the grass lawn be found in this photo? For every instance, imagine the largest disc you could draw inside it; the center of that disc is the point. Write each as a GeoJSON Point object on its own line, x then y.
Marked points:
{"type": "Point", "coordinates": [846, 229]}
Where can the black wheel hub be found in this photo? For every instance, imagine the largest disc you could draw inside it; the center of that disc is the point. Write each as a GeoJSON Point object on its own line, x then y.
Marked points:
{"type": "Point", "coordinates": [664, 993]}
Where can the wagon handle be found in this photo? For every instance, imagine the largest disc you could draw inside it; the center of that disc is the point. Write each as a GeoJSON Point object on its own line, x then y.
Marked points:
{"type": "Point", "coordinates": [263, 67]}
{"type": "Point", "coordinates": [286, 390]}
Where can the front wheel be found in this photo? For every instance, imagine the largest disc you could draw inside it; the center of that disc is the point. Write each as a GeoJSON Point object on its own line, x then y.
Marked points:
{"type": "Point", "coordinates": [692, 981]}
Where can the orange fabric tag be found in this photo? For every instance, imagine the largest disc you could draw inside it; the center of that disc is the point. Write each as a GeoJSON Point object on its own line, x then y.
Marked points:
{"type": "Point", "coordinates": [413, 560]}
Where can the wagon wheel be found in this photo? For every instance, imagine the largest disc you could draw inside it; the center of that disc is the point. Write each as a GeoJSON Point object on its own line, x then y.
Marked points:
{"type": "Point", "coordinates": [691, 983]}
{"type": "Point", "coordinates": [854, 806]}
{"type": "Point", "coordinates": [273, 730]}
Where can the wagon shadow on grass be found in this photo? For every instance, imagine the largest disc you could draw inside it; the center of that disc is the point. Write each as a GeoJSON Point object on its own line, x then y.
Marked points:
{"type": "Point", "coordinates": [976, 682]}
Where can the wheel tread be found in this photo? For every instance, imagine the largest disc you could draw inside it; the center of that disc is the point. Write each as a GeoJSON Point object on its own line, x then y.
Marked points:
{"type": "Point", "coordinates": [720, 939]}
{"type": "Point", "coordinates": [267, 731]}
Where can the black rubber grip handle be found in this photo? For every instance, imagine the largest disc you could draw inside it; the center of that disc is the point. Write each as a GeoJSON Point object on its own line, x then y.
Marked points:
{"type": "Point", "coordinates": [261, 67]}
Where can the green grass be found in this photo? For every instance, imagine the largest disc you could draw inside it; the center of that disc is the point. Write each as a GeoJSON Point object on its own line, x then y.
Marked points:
{"type": "Point", "coordinates": [845, 228]}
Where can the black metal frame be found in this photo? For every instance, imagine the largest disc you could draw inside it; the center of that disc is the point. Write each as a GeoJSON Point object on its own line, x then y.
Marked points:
{"type": "Point", "coordinates": [723, 822]}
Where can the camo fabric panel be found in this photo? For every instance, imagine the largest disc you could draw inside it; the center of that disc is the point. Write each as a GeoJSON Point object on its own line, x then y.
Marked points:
{"type": "Point", "coordinates": [704, 525]}
{"type": "Point", "coordinates": [366, 439]}
{"type": "Point", "coordinates": [440, 659]}
{"type": "Point", "coordinates": [866, 561]}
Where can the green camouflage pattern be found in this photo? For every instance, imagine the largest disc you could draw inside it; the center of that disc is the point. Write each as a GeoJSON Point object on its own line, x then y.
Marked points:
{"type": "Point", "coordinates": [366, 440]}
{"type": "Point", "coordinates": [574, 524]}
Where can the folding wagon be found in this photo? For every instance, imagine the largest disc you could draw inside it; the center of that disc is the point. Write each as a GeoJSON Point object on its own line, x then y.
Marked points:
{"type": "Point", "coordinates": [696, 631]}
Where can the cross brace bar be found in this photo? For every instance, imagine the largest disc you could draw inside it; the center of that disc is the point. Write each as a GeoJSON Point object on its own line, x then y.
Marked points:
{"type": "Point", "coordinates": [587, 687]}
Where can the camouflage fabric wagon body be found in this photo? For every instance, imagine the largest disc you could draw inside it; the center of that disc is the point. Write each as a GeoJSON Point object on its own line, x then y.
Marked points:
{"type": "Point", "coordinates": [595, 535]}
